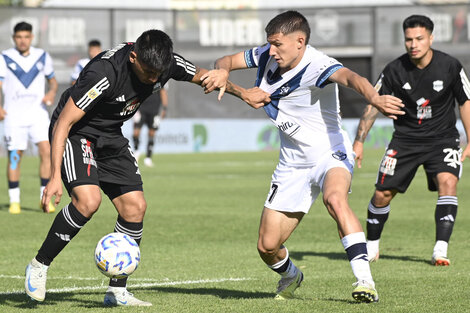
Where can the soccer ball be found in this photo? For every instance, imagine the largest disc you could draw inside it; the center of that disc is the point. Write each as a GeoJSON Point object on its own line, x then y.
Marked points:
{"type": "Point", "coordinates": [117, 255]}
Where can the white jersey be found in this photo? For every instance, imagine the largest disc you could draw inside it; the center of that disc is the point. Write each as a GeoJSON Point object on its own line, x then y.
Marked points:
{"type": "Point", "coordinates": [23, 85]}
{"type": "Point", "coordinates": [304, 104]}
{"type": "Point", "coordinates": [78, 68]}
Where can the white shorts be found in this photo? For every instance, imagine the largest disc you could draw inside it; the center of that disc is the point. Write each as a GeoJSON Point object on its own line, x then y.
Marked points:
{"type": "Point", "coordinates": [295, 189]}
{"type": "Point", "coordinates": [16, 137]}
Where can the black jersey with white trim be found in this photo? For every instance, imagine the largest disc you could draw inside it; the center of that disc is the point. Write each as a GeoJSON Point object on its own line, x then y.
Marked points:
{"type": "Point", "coordinates": [109, 92]}
{"type": "Point", "coordinates": [429, 95]}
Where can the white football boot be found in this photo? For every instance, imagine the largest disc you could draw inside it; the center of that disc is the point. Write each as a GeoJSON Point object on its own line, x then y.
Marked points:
{"type": "Point", "coordinates": [35, 282]}
{"type": "Point", "coordinates": [120, 296]}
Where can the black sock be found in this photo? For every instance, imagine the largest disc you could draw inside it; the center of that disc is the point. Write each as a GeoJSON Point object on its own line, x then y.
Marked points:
{"type": "Point", "coordinates": [445, 214]}
{"type": "Point", "coordinates": [376, 218]}
{"type": "Point", "coordinates": [66, 225]}
{"type": "Point", "coordinates": [133, 230]}
{"type": "Point", "coordinates": [150, 148]}
{"type": "Point", "coordinates": [136, 143]}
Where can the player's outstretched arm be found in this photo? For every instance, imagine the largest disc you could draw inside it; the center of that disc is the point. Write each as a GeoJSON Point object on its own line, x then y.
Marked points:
{"type": "Point", "coordinates": [390, 106]}
{"type": "Point", "coordinates": [218, 77]}
{"type": "Point", "coordinates": [465, 117]}
{"type": "Point", "coordinates": [254, 97]}
{"type": "Point", "coordinates": [368, 118]}
{"type": "Point", "coordinates": [67, 118]}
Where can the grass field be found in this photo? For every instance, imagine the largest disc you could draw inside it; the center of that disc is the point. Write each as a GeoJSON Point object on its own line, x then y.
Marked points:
{"type": "Point", "coordinates": [199, 246]}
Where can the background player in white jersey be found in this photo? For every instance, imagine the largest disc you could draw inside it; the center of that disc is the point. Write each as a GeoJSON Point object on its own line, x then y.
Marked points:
{"type": "Point", "coordinates": [299, 85]}
{"type": "Point", "coordinates": [23, 71]}
{"type": "Point", "coordinates": [94, 48]}
{"type": "Point", "coordinates": [429, 82]}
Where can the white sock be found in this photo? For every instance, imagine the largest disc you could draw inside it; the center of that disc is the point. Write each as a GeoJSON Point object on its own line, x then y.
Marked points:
{"type": "Point", "coordinates": [41, 191]}
{"type": "Point", "coordinates": [360, 263]}
{"type": "Point", "coordinates": [291, 269]}
{"type": "Point", "coordinates": [440, 249]}
{"type": "Point", "coordinates": [14, 194]}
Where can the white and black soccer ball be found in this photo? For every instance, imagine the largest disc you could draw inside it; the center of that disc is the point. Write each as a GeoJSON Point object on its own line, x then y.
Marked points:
{"type": "Point", "coordinates": [117, 255]}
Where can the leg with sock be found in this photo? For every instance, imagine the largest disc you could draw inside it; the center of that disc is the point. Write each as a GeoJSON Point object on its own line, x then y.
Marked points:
{"type": "Point", "coordinates": [117, 293]}
{"type": "Point", "coordinates": [13, 173]}
{"type": "Point", "coordinates": [291, 277]}
{"type": "Point", "coordinates": [66, 225]}
{"type": "Point", "coordinates": [14, 194]}
{"type": "Point", "coordinates": [376, 218]}
{"type": "Point", "coordinates": [445, 215]}
{"type": "Point", "coordinates": [356, 249]}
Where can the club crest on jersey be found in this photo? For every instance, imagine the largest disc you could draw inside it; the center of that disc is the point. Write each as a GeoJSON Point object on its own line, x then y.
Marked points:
{"type": "Point", "coordinates": [284, 90]}
{"type": "Point", "coordinates": [12, 65]}
{"type": "Point", "coordinates": [39, 66]}
{"type": "Point", "coordinates": [131, 106]}
{"type": "Point", "coordinates": [437, 85]}
{"type": "Point", "coordinates": [157, 87]}
{"type": "Point", "coordinates": [339, 155]}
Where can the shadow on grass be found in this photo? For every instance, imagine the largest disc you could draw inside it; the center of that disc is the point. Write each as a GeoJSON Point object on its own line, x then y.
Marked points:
{"type": "Point", "coordinates": [299, 255]}
{"type": "Point", "coordinates": [22, 301]}
{"type": "Point", "coordinates": [6, 206]}
{"type": "Point", "coordinates": [218, 292]}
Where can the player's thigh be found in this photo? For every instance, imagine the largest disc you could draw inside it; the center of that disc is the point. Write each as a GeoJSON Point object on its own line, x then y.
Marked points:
{"type": "Point", "coordinates": [276, 227]}
{"type": "Point", "coordinates": [398, 166]}
{"type": "Point", "coordinates": [444, 159]}
{"type": "Point", "coordinates": [79, 166]}
{"type": "Point", "coordinates": [291, 190]}
{"type": "Point", "coordinates": [16, 137]}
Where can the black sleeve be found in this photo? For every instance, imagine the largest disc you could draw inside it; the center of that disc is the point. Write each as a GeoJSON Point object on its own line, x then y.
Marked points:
{"type": "Point", "coordinates": [461, 87]}
{"type": "Point", "coordinates": [383, 84]}
{"type": "Point", "coordinates": [181, 69]}
{"type": "Point", "coordinates": [92, 84]}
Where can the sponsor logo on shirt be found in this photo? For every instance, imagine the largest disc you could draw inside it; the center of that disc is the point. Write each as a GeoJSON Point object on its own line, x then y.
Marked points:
{"type": "Point", "coordinates": [131, 106]}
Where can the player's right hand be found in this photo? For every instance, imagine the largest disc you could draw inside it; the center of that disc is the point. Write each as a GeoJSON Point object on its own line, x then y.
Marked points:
{"type": "Point", "coordinates": [358, 148]}
{"type": "Point", "coordinates": [53, 188]}
{"type": "Point", "coordinates": [215, 79]}
{"type": "Point", "coordinates": [388, 105]}
{"type": "Point", "coordinates": [3, 113]}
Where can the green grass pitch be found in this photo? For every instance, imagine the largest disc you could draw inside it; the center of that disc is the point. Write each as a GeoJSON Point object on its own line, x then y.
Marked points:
{"type": "Point", "coordinates": [199, 246]}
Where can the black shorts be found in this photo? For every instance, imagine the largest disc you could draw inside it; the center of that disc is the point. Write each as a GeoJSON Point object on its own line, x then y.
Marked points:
{"type": "Point", "coordinates": [402, 159]}
{"type": "Point", "coordinates": [152, 120]}
{"type": "Point", "coordinates": [107, 162]}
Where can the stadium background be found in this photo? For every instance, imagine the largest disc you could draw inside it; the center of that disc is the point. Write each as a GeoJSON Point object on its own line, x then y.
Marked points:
{"type": "Point", "coordinates": [362, 36]}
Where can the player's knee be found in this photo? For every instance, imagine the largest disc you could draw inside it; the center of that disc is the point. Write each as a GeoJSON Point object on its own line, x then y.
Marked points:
{"type": "Point", "coordinates": [448, 186]}
{"type": "Point", "coordinates": [335, 202]}
{"type": "Point", "coordinates": [88, 205]}
{"type": "Point", "coordinates": [382, 198]}
{"type": "Point", "coordinates": [268, 247]}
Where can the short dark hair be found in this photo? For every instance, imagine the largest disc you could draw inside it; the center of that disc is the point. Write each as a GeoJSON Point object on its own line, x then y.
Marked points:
{"type": "Point", "coordinates": [22, 26]}
{"type": "Point", "coordinates": [418, 21]}
{"type": "Point", "coordinates": [154, 48]}
{"type": "Point", "coordinates": [288, 22]}
{"type": "Point", "coordinates": [94, 43]}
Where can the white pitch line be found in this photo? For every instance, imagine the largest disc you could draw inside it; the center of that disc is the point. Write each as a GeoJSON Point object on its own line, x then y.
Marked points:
{"type": "Point", "coordinates": [142, 285]}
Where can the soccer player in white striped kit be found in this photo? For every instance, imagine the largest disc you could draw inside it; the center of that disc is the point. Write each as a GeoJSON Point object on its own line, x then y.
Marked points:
{"type": "Point", "coordinates": [24, 71]}
{"type": "Point", "coordinates": [298, 85]}
{"type": "Point", "coordinates": [429, 82]}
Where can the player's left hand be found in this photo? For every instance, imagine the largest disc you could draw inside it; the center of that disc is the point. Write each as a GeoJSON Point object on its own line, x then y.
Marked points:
{"type": "Point", "coordinates": [389, 106]}
{"type": "Point", "coordinates": [465, 153]}
{"type": "Point", "coordinates": [48, 99]}
{"type": "Point", "coordinates": [256, 97]}
{"type": "Point", "coordinates": [215, 79]}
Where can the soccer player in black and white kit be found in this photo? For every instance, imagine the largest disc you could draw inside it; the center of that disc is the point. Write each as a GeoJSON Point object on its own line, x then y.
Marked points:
{"type": "Point", "coordinates": [89, 151]}
{"type": "Point", "coordinates": [429, 82]}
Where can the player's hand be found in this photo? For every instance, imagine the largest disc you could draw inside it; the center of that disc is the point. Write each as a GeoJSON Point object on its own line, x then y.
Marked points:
{"type": "Point", "coordinates": [3, 113]}
{"type": "Point", "coordinates": [48, 99]}
{"type": "Point", "coordinates": [53, 188]}
{"type": "Point", "coordinates": [215, 79]}
{"type": "Point", "coordinates": [389, 106]}
{"type": "Point", "coordinates": [465, 153]}
{"type": "Point", "coordinates": [256, 97]}
{"type": "Point", "coordinates": [358, 148]}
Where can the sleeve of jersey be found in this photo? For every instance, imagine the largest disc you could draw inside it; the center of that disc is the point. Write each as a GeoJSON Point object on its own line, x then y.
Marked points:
{"type": "Point", "coordinates": [252, 56]}
{"type": "Point", "coordinates": [48, 68]}
{"type": "Point", "coordinates": [322, 69]}
{"type": "Point", "coordinates": [181, 69]}
{"type": "Point", "coordinates": [462, 86]}
{"type": "Point", "coordinates": [91, 86]}
{"type": "Point", "coordinates": [76, 71]}
{"type": "Point", "coordinates": [3, 68]}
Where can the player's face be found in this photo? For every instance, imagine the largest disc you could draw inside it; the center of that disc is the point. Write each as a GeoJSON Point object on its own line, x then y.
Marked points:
{"type": "Point", "coordinates": [22, 40]}
{"type": "Point", "coordinates": [144, 73]}
{"type": "Point", "coordinates": [288, 49]}
{"type": "Point", "coordinates": [93, 51]}
{"type": "Point", "coordinates": [418, 43]}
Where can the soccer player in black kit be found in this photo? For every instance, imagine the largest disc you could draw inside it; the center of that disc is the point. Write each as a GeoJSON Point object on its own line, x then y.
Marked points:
{"type": "Point", "coordinates": [429, 82]}
{"type": "Point", "coordinates": [89, 151]}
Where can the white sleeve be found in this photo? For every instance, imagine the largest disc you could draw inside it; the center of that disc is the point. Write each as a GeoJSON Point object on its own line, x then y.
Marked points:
{"type": "Point", "coordinates": [252, 56]}
{"type": "Point", "coordinates": [48, 67]}
{"type": "Point", "coordinates": [321, 67]}
{"type": "Point", "coordinates": [76, 71]}
{"type": "Point", "coordinates": [3, 68]}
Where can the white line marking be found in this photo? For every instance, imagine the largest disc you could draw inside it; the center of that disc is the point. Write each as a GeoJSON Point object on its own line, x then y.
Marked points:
{"type": "Point", "coordinates": [141, 285]}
